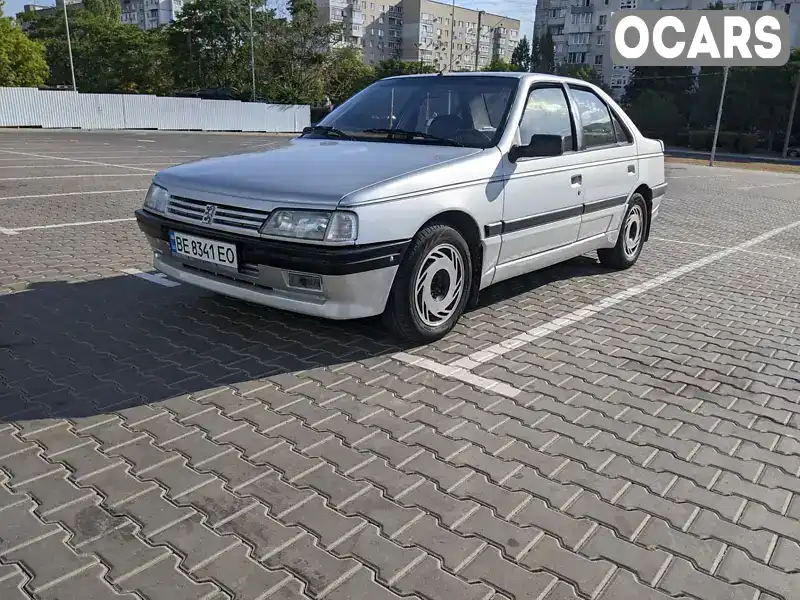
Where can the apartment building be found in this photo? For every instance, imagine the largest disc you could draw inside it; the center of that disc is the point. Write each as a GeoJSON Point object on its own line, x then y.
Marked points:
{"type": "Point", "coordinates": [581, 34]}
{"type": "Point", "coordinates": [445, 35]}
{"type": "Point", "coordinates": [149, 14]}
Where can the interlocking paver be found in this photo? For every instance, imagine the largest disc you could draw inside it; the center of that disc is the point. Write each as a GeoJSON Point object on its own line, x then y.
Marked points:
{"type": "Point", "coordinates": [161, 442]}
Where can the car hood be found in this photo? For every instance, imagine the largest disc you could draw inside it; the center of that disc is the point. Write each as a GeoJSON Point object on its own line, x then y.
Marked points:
{"type": "Point", "coordinates": [306, 171]}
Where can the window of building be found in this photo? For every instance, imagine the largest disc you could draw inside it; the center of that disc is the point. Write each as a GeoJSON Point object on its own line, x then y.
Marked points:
{"type": "Point", "coordinates": [601, 20]}
{"type": "Point", "coordinates": [578, 38]}
{"type": "Point", "coordinates": [601, 40]}
{"type": "Point", "coordinates": [787, 8]}
{"type": "Point", "coordinates": [576, 58]}
{"type": "Point", "coordinates": [598, 60]}
{"type": "Point", "coordinates": [547, 113]}
{"type": "Point", "coordinates": [596, 124]}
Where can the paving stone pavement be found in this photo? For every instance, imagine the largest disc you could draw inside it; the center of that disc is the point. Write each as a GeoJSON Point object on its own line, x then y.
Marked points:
{"type": "Point", "coordinates": [161, 442]}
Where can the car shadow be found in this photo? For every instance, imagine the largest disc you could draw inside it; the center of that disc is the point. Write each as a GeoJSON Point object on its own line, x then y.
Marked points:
{"type": "Point", "coordinates": [71, 350]}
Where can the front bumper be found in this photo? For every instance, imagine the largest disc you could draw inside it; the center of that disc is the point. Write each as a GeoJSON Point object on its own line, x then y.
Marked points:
{"type": "Point", "coordinates": [356, 280]}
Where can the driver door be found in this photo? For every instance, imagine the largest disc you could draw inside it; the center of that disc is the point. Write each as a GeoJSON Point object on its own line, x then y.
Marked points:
{"type": "Point", "coordinates": [543, 195]}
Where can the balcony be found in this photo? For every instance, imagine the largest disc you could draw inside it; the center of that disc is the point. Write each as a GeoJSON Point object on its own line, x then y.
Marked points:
{"type": "Point", "coordinates": [579, 10]}
{"type": "Point", "coordinates": [355, 31]}
{"type": "Point", "coordinates": [337, 3]}
{"type": "Point", "coordinates": [357, 17]}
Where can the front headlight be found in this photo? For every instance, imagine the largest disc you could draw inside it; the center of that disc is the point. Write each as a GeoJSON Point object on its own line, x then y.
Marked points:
{"type": "Point", "coordinates": [322, 226]}
{"type": "Point", "coordinates": [156, 198]}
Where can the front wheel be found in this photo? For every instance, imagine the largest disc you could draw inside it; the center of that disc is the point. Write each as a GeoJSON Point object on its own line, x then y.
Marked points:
{"type": "Point", "coordinates": [432, 285]}
{"type": "Point", "coordinates": [631, 236]}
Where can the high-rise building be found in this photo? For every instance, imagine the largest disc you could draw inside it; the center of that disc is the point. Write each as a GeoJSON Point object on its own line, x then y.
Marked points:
{"type": "Point", "coordinates": [581, 34]}
{"type": "Point", "coordinates": [447, 36]}
{"type": "Point", "coordinates": [149, 14]}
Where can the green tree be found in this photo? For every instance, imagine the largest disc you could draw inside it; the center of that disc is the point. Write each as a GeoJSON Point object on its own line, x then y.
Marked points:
{"type": "Point", "coordinates": [395, 66]}
{"type": "Point", "coordinates": [347, 75]}
{"type": "Point", "coordinates": [22, 60]}
{"type": "Point", "coordinates": [521, 57]}
{"type": "Point", "coordinates": [210, 44]}
{"type": "Point", "coordinates": [536, 55]}
{"type": "Point", "coordinates": [497, 64]}
{"type": "Point", "coordinates": [582, 71]}
{"type": "Point", "coordinates": [294, 55]}
{"type": "Point", "coordinates": [109, 56]}
{"type": "Point", "coordinates": [676, 83]}
{"type": "Point", "coordinates": [547, 53]}
{"type": "Point", "coordinates": [656, 114]}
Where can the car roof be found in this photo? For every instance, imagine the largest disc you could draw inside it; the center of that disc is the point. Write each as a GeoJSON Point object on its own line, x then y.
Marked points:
{"type": "Point", "coordinates": [507, 74]}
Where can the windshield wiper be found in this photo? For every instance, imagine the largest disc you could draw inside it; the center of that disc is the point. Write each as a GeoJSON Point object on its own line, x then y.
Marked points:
{"type": "Point", "coordinates": [413, 134]}
{"type": "Point", "coordinates": [327, 130]}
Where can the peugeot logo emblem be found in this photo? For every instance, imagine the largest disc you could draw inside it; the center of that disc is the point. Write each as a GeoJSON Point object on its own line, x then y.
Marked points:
{"type": "Point", "coordinates": [208, 213]}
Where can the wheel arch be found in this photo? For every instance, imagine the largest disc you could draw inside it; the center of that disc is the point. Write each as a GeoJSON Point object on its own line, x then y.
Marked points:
{"type": "Point", "coordinates": [647, 194]}
{"type": "Point", "coordinates": [468, 227]}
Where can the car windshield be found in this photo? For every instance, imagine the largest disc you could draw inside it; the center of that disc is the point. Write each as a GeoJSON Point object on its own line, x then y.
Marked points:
{"type": "Point", "coordinates": [436, 110]}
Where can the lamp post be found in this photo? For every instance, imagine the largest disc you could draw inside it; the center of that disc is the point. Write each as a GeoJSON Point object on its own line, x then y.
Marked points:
{"type": "Point", "coordinates": [69, 46]}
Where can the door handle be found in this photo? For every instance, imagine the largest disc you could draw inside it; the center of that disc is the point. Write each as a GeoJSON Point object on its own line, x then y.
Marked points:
{"type": "Point", "coordinates": [577, 179]}
{"type": "Point", "coordinates": [631, 168]}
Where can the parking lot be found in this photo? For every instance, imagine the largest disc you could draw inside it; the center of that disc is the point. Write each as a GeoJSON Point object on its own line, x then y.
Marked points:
{"type": "Point", "coordinates": [583, 433]}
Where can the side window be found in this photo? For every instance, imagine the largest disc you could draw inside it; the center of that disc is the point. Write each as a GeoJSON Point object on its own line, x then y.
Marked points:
{"type": "Point", "coordinates": [623, 135]}
{"type": "Point", "coordinates": [547, 113]}
{"type": "Point", "coordinates": [598, 130]}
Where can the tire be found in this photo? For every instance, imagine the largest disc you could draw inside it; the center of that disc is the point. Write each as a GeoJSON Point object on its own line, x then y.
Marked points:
{"type": "Point", "coordinates": [438, 263]}
{"type": "Point", "coordinates": [793, 153]}
{"type": "Point", "coordinates": [631, 236]}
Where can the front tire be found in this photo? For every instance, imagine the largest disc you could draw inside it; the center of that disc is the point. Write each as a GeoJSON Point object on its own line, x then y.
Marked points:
{"type": "Point", "coordinates": [432, 285]}
{"type": "Point", "coordinates": [631, 236]}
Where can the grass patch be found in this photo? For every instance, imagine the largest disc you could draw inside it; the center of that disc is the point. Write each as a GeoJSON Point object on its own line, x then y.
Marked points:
{"type": "Point", "coordinates": [750, 166]}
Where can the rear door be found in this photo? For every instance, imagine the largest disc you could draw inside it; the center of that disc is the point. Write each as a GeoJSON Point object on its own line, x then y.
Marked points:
{"type": "Point", "coordinates": [610, 163]}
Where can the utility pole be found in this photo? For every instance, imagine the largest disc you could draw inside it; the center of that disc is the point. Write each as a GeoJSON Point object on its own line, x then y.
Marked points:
{"type": "Point", "coordinates": [478, 39]}
{"type": "Point", "coordinates": [719, 117]}
{"type": "Point", "coordinates": [452, 29]}
{"type": "Point", "coordinates": [791, 114]}
{"type": "Point", "coordinates": [719, 110]}
{"type": "Point", "coordinates": [252, 52]}
{"type": "Point", "coordinates": [69, 46]}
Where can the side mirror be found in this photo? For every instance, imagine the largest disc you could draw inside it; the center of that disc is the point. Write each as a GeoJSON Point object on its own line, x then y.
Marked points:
{"type": "Point", "coordinates": [540, 145]}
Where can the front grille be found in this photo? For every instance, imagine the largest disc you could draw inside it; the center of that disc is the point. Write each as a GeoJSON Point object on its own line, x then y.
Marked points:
{"type": "Point", "coordinates": [246, 220]}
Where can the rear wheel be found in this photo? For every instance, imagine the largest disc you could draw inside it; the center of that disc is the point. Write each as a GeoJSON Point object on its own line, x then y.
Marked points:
{"type": "Point", "coordinates": [631, 236]}
{"type": "Point", "coordinates": [432, 285]}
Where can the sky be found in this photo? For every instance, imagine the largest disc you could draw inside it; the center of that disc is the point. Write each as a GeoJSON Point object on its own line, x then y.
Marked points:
{"type": "Point", "coordinates": [516, 9]}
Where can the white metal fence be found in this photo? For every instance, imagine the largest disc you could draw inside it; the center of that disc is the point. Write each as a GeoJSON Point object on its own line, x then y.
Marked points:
{"type": "Point", "coordinates": [51, 109]}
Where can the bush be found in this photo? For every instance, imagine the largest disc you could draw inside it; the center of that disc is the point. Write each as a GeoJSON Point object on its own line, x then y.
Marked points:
{"type": "Point", "coordinates": [746, 143]}
{"type": "Point", "coordinates": [682, 139]}
{"type": "Point", "coordinates": [726, 140]}
{"type": "Point", "coordinates": [701, 140]}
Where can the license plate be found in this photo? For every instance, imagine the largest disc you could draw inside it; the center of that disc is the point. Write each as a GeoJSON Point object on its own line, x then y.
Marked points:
{"type": "Point", "coordinates": [211, 251]}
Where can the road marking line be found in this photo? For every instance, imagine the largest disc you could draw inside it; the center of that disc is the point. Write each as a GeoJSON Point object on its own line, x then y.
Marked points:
{"type": "Point", "coordinates": [158, 278]}
{"type": "Point", "coordinates": [462, 374]}
{"type": "Point", "coordinates": [477, 358]}
{"type": "Point", "coordinates": [17, 230]}
{"type": "Point", "coordinates": [75, 176]}
{"type": "Point", "coordinates": [87, 162]}
{"type": "Point", "coordinates": [766, 185]}
{"type": "Point", "coordinates": [72, 194]}
{"type": "Point", "coordinates": [767, 254]}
